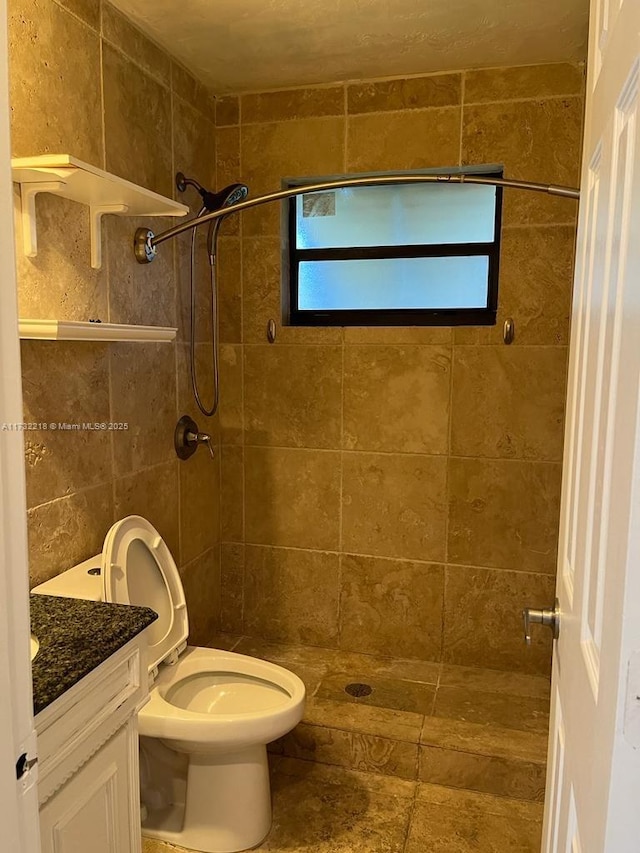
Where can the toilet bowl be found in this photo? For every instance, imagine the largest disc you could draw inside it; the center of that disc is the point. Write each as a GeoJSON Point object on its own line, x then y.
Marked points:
{"type": "Point", "coordinates": [211, 713]}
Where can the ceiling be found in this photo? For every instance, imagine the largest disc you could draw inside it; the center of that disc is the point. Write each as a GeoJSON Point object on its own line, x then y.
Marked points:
{"type": "Point", "coordinates": [254, 45]}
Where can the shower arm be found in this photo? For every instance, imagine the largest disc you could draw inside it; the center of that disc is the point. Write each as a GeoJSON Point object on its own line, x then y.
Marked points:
{"type": "Point", "coordinates": [146, 242]}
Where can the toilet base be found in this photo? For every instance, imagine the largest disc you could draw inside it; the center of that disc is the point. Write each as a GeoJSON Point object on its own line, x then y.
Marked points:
{"type": "Point", "coordinates": [227, 806]}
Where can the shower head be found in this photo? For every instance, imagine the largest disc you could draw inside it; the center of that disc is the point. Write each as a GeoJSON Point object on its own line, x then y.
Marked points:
{"type": "Point", "coordinates": [213, 201]}
{"type": "Point", "coordinates": [232, 194]}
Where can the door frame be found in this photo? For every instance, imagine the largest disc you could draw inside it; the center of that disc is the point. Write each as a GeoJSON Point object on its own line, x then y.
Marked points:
{"type": "Point", "coordinates": [19, 799]}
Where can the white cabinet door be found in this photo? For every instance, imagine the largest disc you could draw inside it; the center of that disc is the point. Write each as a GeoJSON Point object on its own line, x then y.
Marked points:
{"type": "Point", "coordinates": [93, 811]}
{"type": "Point", "coordinates": [593, 791]}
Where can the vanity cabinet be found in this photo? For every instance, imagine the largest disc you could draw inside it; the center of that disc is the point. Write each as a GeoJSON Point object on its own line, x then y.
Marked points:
{"type": "Point", "coordinates": [88, 785]}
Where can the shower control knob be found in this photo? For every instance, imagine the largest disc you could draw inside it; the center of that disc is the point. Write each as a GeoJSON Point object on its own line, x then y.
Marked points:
{"type": "Point", "coordinates": [187, 438]}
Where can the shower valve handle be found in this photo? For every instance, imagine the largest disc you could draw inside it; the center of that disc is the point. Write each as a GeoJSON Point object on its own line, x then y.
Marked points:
{"type": "Point", "coordinates": [196, 438]}
{"type": "Point", "coordinates": [187, 438]}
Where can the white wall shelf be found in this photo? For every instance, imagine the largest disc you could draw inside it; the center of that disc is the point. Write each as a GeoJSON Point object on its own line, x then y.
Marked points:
{"type": "Point", "coordinates": [102, 192]}
{"type": "Point", "coordinates": [73, 330]}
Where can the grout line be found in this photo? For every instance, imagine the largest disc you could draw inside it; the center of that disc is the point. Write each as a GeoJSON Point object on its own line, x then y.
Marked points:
{"type": "Point", "coordinates": [411, 110]}
{"type": "Point", "coordinates": [405, 345]}
{"type": "Point", "coordinates": [401, 453]}
{"type": "Point", "coordinates": [436, 564]}
{"type": "Point", "coordinates": [103, 115]}
{"type": "Point", "coordinates": [353, 81]}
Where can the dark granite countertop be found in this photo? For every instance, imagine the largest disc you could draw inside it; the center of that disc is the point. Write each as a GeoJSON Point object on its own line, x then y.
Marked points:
{"type": "Point", "coordinates": [75, 637]}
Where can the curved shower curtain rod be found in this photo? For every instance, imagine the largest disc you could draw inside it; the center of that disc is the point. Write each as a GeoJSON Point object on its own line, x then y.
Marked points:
{"type": "Point", "coordinates": [146, 242]}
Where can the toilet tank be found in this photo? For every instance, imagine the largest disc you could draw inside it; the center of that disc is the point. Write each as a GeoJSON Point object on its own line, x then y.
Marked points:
{"type": "Point", "coordinates": [81, 581]}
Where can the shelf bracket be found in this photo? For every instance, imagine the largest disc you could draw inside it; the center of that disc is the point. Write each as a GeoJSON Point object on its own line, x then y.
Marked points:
{"type": "Point", "coordinates": [96, 212]}
{"type": "Point", "coordinates": [28, 193]}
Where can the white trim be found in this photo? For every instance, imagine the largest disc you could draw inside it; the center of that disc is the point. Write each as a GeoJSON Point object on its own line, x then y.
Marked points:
{"type": "Point", "coordinates": [20, 832]}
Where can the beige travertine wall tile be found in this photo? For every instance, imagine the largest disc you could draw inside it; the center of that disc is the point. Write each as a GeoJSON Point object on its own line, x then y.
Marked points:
{"type": "Point", "coordinates": [292, 497]}
{"type": "Point", "coordinates": [353, 750]}
{"type": "Point", "coordinates": [67, 531]}
{"type": "Point", "coordinates": [292, 104]}
{"type": "Point", "coordinates": [227, 110]}
{"type": "Point", "coordinates": [438, 90]}
{"type": "Point", "coordinates": [271, 152]}
{"type": "Point", "coordinates": [54, 70]}
{"type": "Point", "coordinates": [292, 596]}
{"type": "Point", "coordinates": [153, 494]}
{"type": "Point", "coordinates": [509, 402]}
{"type": "Point", "coordinates": [186, 404]}
{"type": "Point", "coordinates": [57, 55]}
{"type": "Point", "coordinates": [414, 383]}
{"type": "Point", "coordinates": [504, 777]}
{"type": "Point", "coordinates": [527, 81]}
{"type": "Point", "coordinates": [434, 827]}
{"type": "Point", "coordinates": [121, 33]}
{"type": "Point", "coordinates": [536, 280]}
{"type": "Point", "coordinates": [143, 394]}
{"type": "Point", "coordinates": [199, 504]}
{"type": "Point", "coordinates": [65, 382]}
{"type": "Point", "coordinates": [393, 335]}
{"type": "Point", "coordinates": [137, 293]}
{"type": "Point", "coordinates": [504, 514]}
{"type": "Point", "coordinates": [231, 493]}
{"type": "Point", "coordinates": [522, 135]}
{"type": "Point", "coordinates": [192, 91]}
{"type": "Point", "coordinates": [195, 149]}
{"type": "Point", "coordinates": [59, 281]}
{"type": "Point", "coordinates": [228, 171]}
{"type": "Point", "coordinates": [483, 619]}
{"type": "Point", "coordinates": [202, 286]}
{"type": "Point", "coordinates": [201, 581]}
{"type": "Point", "coordinates": [134, 103]}
{"type": "Point", "coordinates": [391, 607]}
{"type": "Point", "coordinates": [413, 139]}
{"type": "Point", "coordinates": [229, 280]}
{"type": "Point", "coordinates": [394, 505]}
{"type": "Point", "coordinates": [231, 407]}
{"type": "Point", "coordinates": [232, 586]}
{"type": "Point", "coordinates": [261, 286]}
{"type": "Point", "coordinates": [293, 395]}
{"type": "Point", "coordinates": [87, 10]}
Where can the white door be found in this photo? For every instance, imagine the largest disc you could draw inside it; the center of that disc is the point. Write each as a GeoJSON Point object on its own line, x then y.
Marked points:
{"type": "Point", "coordinates": [18, 798]}
{"type": "Point", "coordinates": [593, 790]}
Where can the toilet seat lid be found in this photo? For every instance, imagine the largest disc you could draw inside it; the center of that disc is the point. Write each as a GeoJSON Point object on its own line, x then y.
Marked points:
{"type": "Point", "coordinates": [137, 568]}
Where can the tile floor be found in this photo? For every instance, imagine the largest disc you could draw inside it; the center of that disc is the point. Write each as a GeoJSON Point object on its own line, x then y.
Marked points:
{"type": "Point", "coordinates": [435, 759]}
{"type": "Point", "coordinates": [321, 809]}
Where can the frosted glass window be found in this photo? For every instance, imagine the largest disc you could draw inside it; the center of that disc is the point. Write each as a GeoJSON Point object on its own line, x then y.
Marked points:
{"type": "Point", "coordinates": [393, 283]}
{"type": "Point", "coordinates": [398, 215]}
{"type": "Point", "coordinates": [402, 254]}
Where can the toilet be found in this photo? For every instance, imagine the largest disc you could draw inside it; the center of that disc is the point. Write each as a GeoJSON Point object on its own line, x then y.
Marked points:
{"type": "Point", "coordinates": [203, 733]}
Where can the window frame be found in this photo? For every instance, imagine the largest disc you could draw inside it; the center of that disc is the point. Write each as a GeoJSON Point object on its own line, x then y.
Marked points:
{"type": "Point", "coordinates": [293, 256]}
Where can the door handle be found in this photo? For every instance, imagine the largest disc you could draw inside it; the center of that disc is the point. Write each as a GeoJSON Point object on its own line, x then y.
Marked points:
{"type": "Point", "coordinates": [549, 618]}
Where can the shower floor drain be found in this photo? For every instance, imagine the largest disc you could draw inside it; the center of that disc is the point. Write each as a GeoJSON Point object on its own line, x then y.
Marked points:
{"type": "Point", "coordinates": [358, 689]}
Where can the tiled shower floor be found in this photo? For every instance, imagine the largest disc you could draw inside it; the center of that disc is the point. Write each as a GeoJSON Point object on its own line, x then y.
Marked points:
{"type": "Point", "coordinates": [436, 759]}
